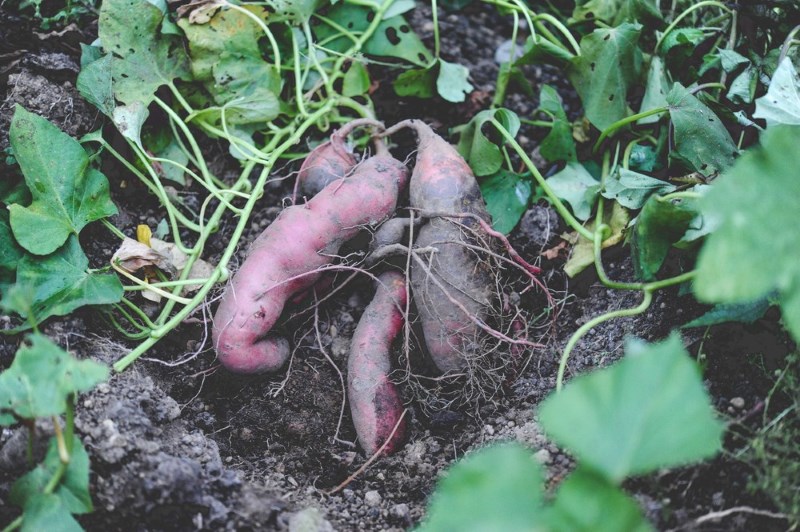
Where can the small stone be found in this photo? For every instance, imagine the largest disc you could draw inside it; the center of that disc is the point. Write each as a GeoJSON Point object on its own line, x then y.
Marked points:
{"type": "Point", "coordinates": [737, 402]}
{"type": "Point", "coordinates": [334, 332]}
{"type": "Point", "coordinates": [372, 498]}
{"type": "Point", "coordinates": [380, 476]}
{"type": "Point", "coordinates": [488, 429]}
{"type": "Point", "coordinates": [543, 456]}
{"type": "Point", "coordinates": [400, 511]}
{"type": "Point", "coordinates": [309, 520]}
{"type": "Point", "coordinates": [347, 494]}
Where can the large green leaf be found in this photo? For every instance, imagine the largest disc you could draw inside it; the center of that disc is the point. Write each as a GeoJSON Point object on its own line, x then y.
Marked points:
{"type": "Point", "coordinates": [781, 103]}
{"type": "Point", "coordinates": [575, 185]}
{"type": "Point", "coordinates": [701, 140]}
{"type": "Point", "coordinates": [496, 489]}
{"type": "Point", "coordinates": [479, 144]}
{"type": "Point", "coordinates": [753, 251]}
{"type": "Point", "coordinates": [507, 196]}
{"type": "Point", "coordinates": [662, 223]}
{"type": "Point", "coordinates": [610, 61]}
{"type": "Point", "coordinates": [646, 412]}
{"type": "Point", "coordinates": [587, 502]}
{"type": "Point", "coordinates": [144, 59]}
{"type": "Point", "coordinates": [616, 12]}
{"type": "Point", "coordinates": [558, 145]}
{"type": "Point", "coordinates": [47, 512]}
{"type": "Point", "coordinates": [42, 378]}
{"type": "Point", "coordinates": [72, 491]}
{"type": "Point", "coordinates": [67, 194]}
{"type": "Point", "coordinates": [58, 284]}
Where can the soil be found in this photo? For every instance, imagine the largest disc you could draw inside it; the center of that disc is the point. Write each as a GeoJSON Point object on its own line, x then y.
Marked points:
{"type": "Point", "coordinates": [183, 446]}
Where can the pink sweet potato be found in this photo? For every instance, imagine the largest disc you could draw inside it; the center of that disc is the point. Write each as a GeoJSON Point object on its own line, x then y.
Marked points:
{"type": "Point", "coordinates": [442, 182]}
{"type": "Point", "coordinates": [329, 161]}
{"type": "Point", "coordinates": [375, 402]}
{"type": "Point", "coordinates": [287, 257]}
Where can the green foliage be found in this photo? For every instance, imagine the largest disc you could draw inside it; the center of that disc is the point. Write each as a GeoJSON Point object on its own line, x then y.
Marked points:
{"type": "Point", "coordinates": [449, 80]}
{"type": "Point", "coordinates": [781, 103]}
{"type": "Point", "coordinates": [752, 254]}
{"type": "Point", "coordinates": [615, 12]}
{"type": "Point", "coordinates": [42, 379]}
{"type": "Point", "coordinates": [646, 412]}
{"type": "Point", "coordinates": [575, 185]}
{"type": "Point", "coordinates": [480, 146]}
{"type": "Point", "coordinates": [558, 145]}
{"type": "Point", "coordinates": [738, 312]}
{"type": "Point", "coordinates": [610, 61]}
{"type": "Point", "coordinates": [507, 198]}
{"type": "Point", "coordinates": [631, 189]}
{"type": "Point", "coordinates": [67, 193]}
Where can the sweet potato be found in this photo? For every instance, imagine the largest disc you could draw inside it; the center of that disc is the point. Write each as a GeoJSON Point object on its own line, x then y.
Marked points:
{"type": "Point", "coordinates": [443, 183]}
{"type": "Point", "coordinates": [286, 258]}
{"type": "Point", "coordinates": [329, 161]}
{"type": "Point", "coordinates": [374, 400]}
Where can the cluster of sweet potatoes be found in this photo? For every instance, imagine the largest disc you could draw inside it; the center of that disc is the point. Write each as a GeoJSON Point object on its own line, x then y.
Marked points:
{"type": "Point", "coordinates": [451, 289]}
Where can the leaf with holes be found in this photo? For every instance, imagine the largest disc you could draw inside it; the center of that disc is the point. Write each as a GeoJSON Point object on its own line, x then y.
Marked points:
{"type": "Point", "coordinates": [42, 378]}
{"type": "Point", "coordinates": [67, 194]}
{"type": "Point", "coordinates": [701, 141]}
{"type": "Point", "coordinates": [610, 61]}
{"type": "Point", "coordinates": [479, 142]}
{"type": "Point", "coordinates": [615, 12]}
{"type": "Point", "coordinates": [451, 83]}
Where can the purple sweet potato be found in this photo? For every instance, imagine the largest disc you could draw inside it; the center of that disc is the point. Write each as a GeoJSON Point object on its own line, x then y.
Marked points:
{"type": "Point", "coordinates": [288, 256]}
{"type": "Point", "coordinates": [375, 402]}
{"type": "Point", "coordinates": [442, 182]}
{"type": "Point", "coordinates": [329, 161]}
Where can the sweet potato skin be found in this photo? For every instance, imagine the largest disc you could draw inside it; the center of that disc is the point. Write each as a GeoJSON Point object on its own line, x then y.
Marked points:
{"type": "Point", "coordinates": [442, 182]}
{"type": "Point", "coordinates": [375, 402]}
{"type": "Point", "coordinates": [286, 258]}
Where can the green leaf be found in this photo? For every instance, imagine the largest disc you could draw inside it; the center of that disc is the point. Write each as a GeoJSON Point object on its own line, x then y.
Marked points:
{"type": "Point", "coordinates": [356, 80]}
{"type": "Point", "coordinates": [655, 94]}
{"type": "Point", "coordinates": [644, 158]}
{"type": "Point", "coordinates": [66, 193]}
{"type": "Point", "coordinates": [646, 412]}
{"type": "Point", "coordinates": [610, 61]}
{"type": "Point", "coordinates": [451, 83]}
{"type": "Point", "coordinates": [129, 120]}
{"type": "Point", "coordinates": [475, 145]}
{"type": "Point", "coordinates": [558, 145]}
{"type": "Point", "coordinates": [96, 85]}
{"type": "Point", "coordinates": [575, 185]}
{"type": "Point", "coordinates": [538, 50]}
{"type": "Point", "coordinates": [42, 377]}
{"type": "Point", "coordinates": [294, 11]}
{"type": "Point", "coordinates": [47, 512]}
{"type": "Point", "coordinates": [661, 223]}
{"type": "Point", "coordinates": [60, 283]}
{"type": "Point", "coordinates": [392, 38]}
{"type": "Point", "coordinates": [701, 140]}
{"type": "Point", "coordinates": [418, 83]}
{"type": "Point", "coordinates": [10, 252]}
{"type": "Point", "coordinates": [753, 251]}
{"type": "Point", "coordinates": [737, 312]}
{"type": "Point", "coordinates": [582, 255]}
{"type": "Point", "coordinates": [171, 151]}
{"type": "Point", "coordinates": [682, 37]}
{"type": "Point", "coordinates": [586, 501]}
{"type": "Point", "coordinates": [72, 491]}
{"type": "Point", "coordinates": [631, 189]}
{"type": "Point", "coordinates": [615, 12]}
{"type": "Point", "coordinates": [507, 196]}
{"type": "Point", "coordinates": [781, 103]}
{"type": "Point", "coordinates": [144, 59]}
{"type": "Point", "coordinates": [495, 489]}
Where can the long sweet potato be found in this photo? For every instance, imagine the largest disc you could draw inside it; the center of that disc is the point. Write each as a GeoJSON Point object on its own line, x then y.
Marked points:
{"type": "Point", "coordinates": [456, 289]}
{"type": "Point", "coordinates": [375, 402]}
{"type": "Point", "coordinates": [287, 258]}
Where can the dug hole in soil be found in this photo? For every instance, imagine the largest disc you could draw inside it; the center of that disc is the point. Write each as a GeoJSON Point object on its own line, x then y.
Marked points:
{"type": "Point", "coordinates": [183, 446]}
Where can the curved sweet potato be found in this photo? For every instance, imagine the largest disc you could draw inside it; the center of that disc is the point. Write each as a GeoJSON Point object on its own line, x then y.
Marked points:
{"type": "Point", "coordinates": [442, 182]}
{"type": "Point", "coordinates": [375, 402]}
{"type": "Point", "coordinates": [329, 161]}
{"type": "Point", "coordinates": [286, 258]}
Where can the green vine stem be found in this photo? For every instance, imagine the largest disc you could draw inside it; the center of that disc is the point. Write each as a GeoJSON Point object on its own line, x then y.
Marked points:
{"type": "Point", "coordinates": [610, 130]}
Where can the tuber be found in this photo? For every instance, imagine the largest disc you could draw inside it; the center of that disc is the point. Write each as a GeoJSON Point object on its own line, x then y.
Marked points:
{"type": "Point", "coordinates": [375, 402]}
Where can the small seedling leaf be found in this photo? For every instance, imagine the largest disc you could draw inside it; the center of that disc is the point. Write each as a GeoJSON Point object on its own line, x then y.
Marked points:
{"type": "Point", "coordinates": [752, 252]}
{"type": "Point", "coordinates": [610, 61]}
{"type": "Point", "coordinates": [43, 377]}
{"type": "Point", "coordinates": [615, 12]}
{"type": "Point", "coordinates": [575, 185]}
{"type": "Point", "coordinates": [356, 80]}
{"type": "Point", "coordinates": [418, 83]}
{"type": "Point", "coordinates": [647, 411]}
{"type": "Point", "coordinates": [507, 196]}
{"type": "Point", "coordinates": [499, 488]}
{"type": "Point", "coordinates": [479, 142]}
{"type": "Point", "coordinates": [66, 193]}
{"type": "Point", "coordinates": [558, 145]}
{"type": "Point", "coordinates": [451, 83]}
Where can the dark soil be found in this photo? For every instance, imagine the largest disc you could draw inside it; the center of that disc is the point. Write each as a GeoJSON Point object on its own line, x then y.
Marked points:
{"type": "Point", "coordinates": [187, 446]}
